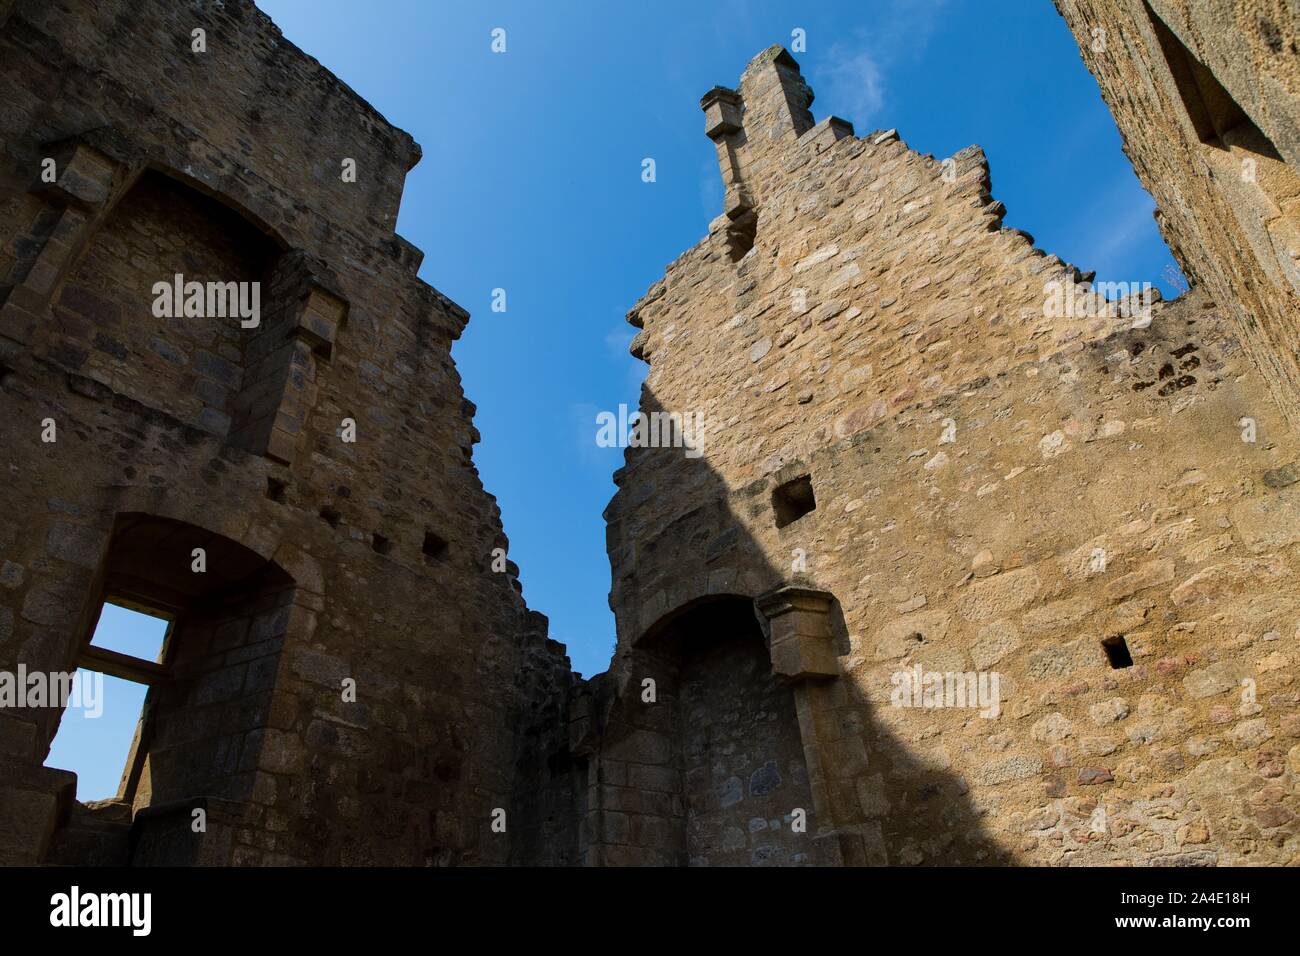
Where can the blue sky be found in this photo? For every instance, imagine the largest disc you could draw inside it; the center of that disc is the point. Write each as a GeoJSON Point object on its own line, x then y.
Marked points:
{"type": "Point", "coordinates": [94, 739]}
{"type": "Point", "coordinates": [531, 182]}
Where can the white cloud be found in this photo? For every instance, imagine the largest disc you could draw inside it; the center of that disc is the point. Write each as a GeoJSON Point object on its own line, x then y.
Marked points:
{"type": "Point", "coordinates": [851, 80]}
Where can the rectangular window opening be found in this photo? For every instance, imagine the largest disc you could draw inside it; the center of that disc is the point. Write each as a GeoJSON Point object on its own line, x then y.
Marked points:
{"type": "Point", "coordinates": [104, 702]}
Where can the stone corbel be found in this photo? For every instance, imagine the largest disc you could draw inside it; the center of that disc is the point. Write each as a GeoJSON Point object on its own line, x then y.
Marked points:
{"type": "Point", "coordinates": [722, 112]}
{"type": "Point", "coordinates": [83, 175]}
{"type": "Point", "coordinates": [321, 311]}
{"type": "Point", "coordinates": [803, 653]}
{"type": "Point", "coordinates": [314, 324]}
{"type": "Point", "coordinates": [723, 117]}
{"type": "Point", "coordinates": [802, 646]}
{"type": "Point", "coordinates": [306, 311]}
{"type": "Point", "coordinates": [86, 181]}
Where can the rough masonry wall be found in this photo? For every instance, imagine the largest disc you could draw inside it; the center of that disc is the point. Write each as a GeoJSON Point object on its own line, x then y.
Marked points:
{"type": "Point", "coordinates": [743, 767]}
{"type": "Point", "coordinates": [697, 760]}
{"type": "Point", "coordinates": [225, 165]}
{"type": "Point", "coordinates": [996, 489]}
{"type": "Point", "coordinates": [1207, 99]}
{"type": "Point", "coordinates": [192, 370]}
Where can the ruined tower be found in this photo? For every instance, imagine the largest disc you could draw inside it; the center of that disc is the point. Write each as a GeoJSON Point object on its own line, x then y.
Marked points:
{"type": "Point", "coordinates": [346, 674]}
{"type": "Point", "coordinates": [1207, 99]}
{"type": "Point", "coordinates": [933, 457]}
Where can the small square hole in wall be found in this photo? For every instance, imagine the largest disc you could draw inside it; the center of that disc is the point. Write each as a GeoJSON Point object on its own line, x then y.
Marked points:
{"type": "Point", "coordinates": [434, 546]}
{"type": "Point", "coordinates": [5, 373]}
{"type": "Point", "coordinates": [330, 515]}
{"type": "Point", "coordinates": [792, 500]}
{"type": "Point", "coordinates": [1117, 652]}
{"type": "Point", "coordinates": [381, 544]}
{"type": "Point", "coordinates": [275, 488]}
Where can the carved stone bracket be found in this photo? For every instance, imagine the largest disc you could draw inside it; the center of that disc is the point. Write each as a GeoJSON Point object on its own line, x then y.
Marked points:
{"type": "Point", "coordinates": [723, 123]}
{"type": "Point", "coordinates": [799, 617]}
{"type": "Point", "coordinates": [803, 653]}
{"type": "Point", "coordinates": [284, 356]}
{"type": "Point", "coordinates": [87, 178]}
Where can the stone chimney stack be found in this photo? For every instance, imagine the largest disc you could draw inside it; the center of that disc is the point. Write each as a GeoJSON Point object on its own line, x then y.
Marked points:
{"type": "Point", "coordinates": [776, 99]}
{"type": "Point", "coordinates": [751, 126]}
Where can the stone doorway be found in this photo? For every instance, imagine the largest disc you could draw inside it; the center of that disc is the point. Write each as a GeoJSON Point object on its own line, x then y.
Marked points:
{"type": "Point", "coordinates": [744, 796]}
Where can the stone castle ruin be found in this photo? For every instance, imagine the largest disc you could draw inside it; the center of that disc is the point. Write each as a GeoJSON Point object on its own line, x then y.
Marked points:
{"type": "Point", "coordinates": [958, 576]}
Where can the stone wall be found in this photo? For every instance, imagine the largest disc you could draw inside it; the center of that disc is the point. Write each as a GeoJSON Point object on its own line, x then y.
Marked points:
{"type": "Point", "coordinates": [191, 369]}
{"type": "Point", "coordinates": [697, 759]}
{"type": "Point", "coordinates": [1097, 502]}
{"type": "Point", "coordinates": [743, 770]}
{"type": "Point", "coordinates": [329, 561]}
{"type": "Point", "coordinates": [1207, 99]}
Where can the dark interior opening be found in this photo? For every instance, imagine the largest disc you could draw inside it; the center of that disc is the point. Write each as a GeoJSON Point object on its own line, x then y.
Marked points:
{"type": "Point", "coordinates": [741, 235]}
{"type": "Point", "coordinates": [735, 747]}
{"type": "Point", "coordinates": [1117, 652]}
{"type": "Point", "coordinates": [792, 500]}
{"type": "Point", "coordinates": [434, 546]}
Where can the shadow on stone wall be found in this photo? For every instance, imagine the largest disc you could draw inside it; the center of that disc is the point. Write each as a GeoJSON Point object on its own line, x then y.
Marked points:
{"type": "Point", "coordinates": [683, 556]}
